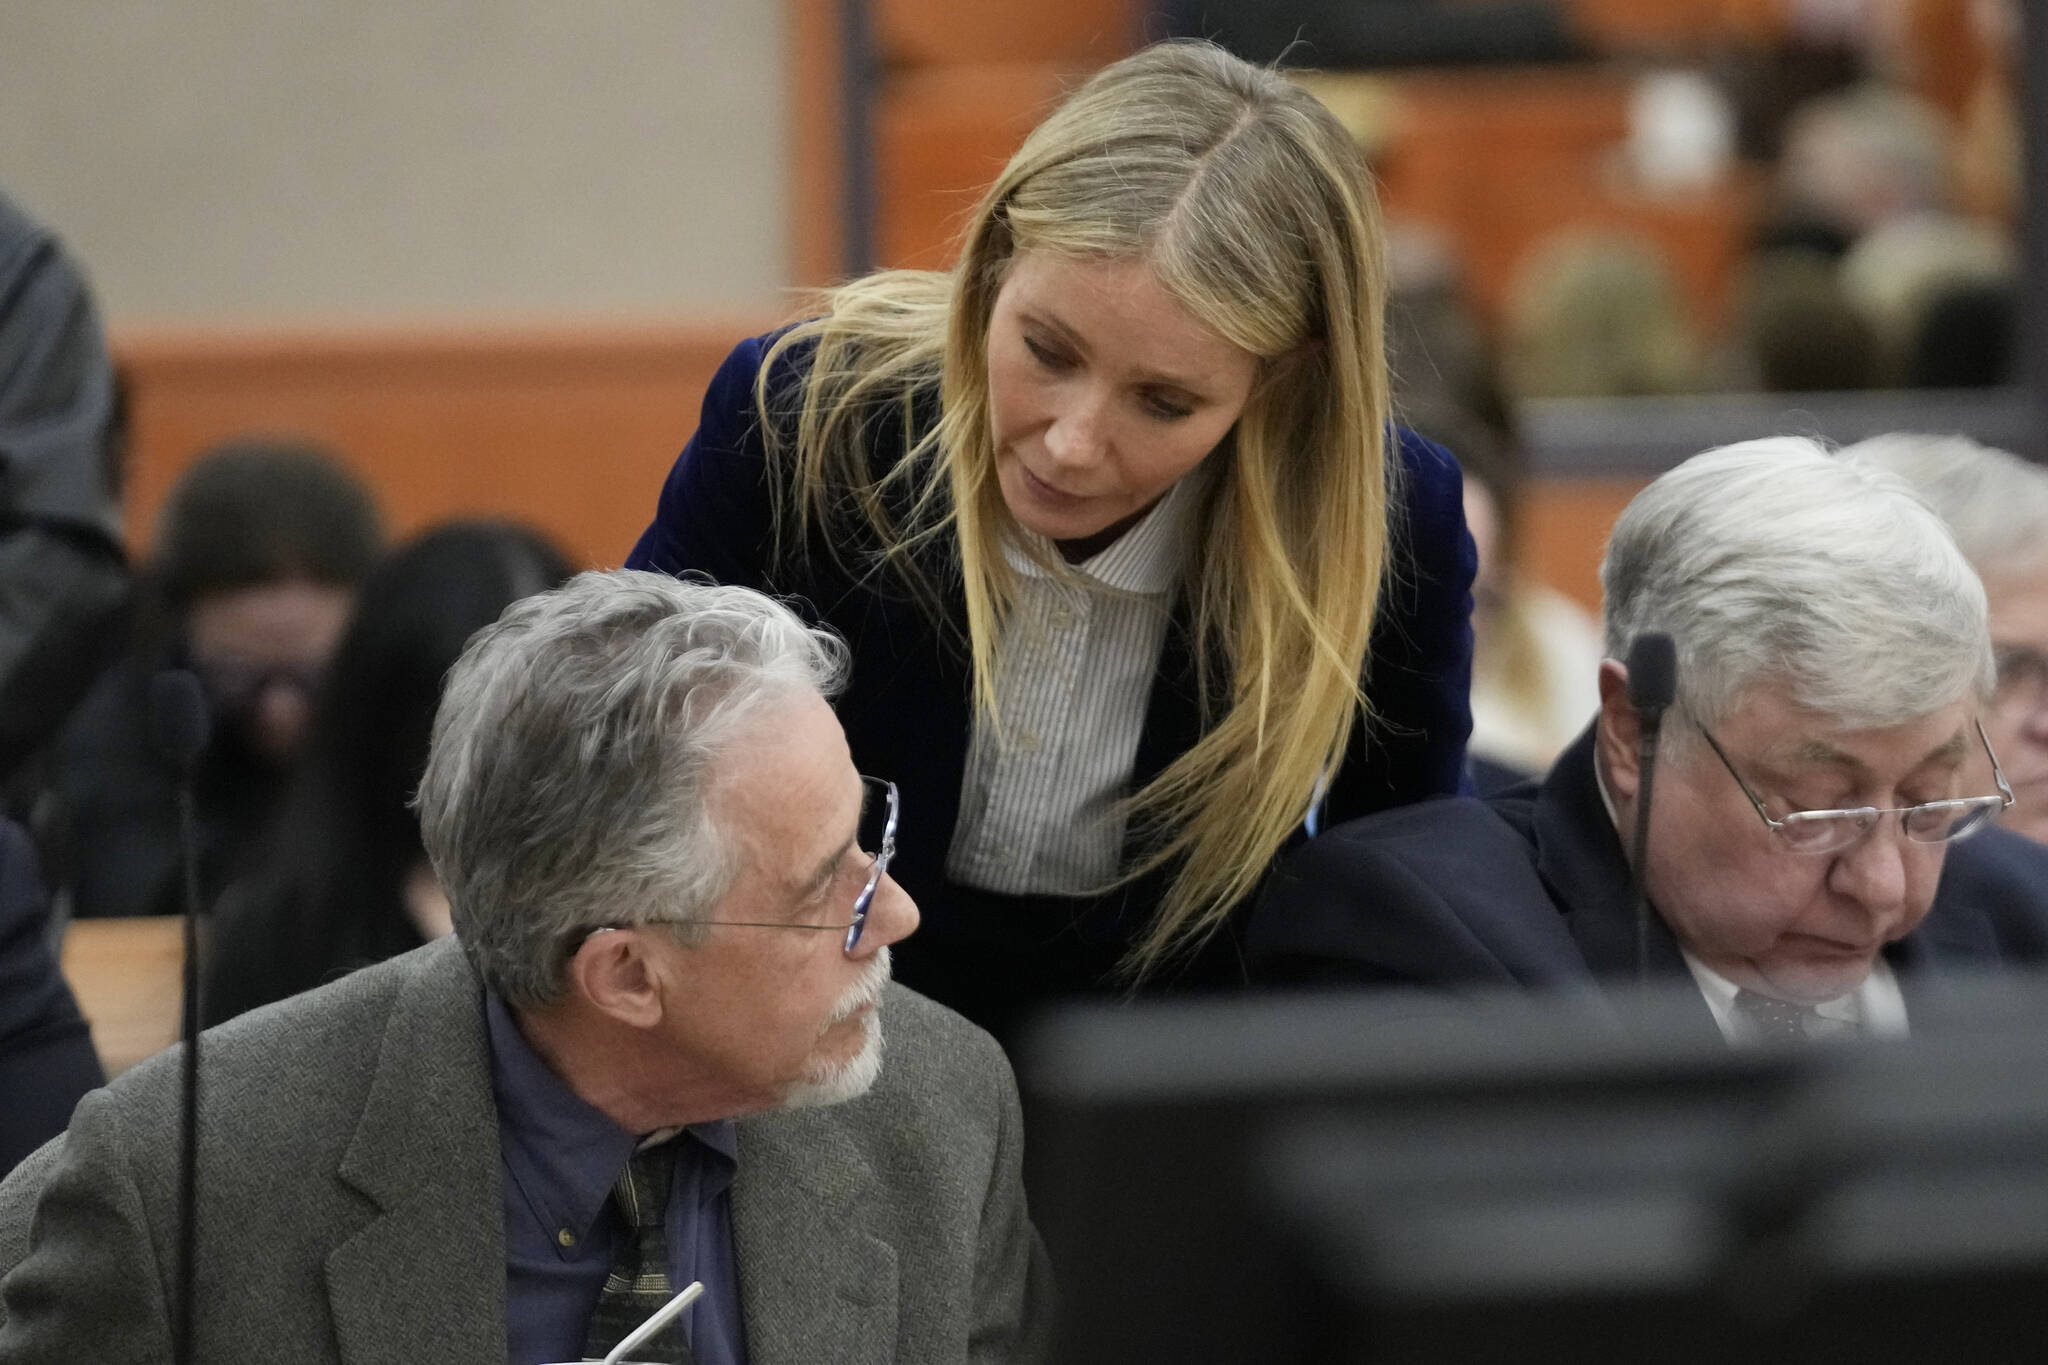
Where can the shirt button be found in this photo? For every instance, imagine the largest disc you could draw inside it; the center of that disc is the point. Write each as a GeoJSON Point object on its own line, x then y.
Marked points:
{"type": "Point", "coordinates": [566, 1237]}
{"type": "Point", "coordinates": [1060, 618]}
{"type": "Point", "coordinates": [1028, 742]}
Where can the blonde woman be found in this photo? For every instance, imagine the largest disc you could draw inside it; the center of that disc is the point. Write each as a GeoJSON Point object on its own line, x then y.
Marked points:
{"type": "Point", "coordinates": [1139, 580]}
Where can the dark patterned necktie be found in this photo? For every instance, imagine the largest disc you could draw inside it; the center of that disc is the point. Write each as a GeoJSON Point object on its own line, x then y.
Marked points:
{"type": "Point", "coordinates": [1775, 1020]}
{"type": "Point", "coordinates": [639, 1283]}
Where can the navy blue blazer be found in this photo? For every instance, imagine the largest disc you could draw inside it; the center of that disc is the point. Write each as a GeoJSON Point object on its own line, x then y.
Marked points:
{"type": "Point", "coordinates": [46, 1056]}
{"type": "Point", "coordinates": [908, 709]}
{"type": "Point", "coordinates": [1531, 888]}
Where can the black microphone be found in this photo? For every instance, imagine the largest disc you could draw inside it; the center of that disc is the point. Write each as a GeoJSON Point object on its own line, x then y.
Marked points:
{"type": "Point", "coordinates": [1652, 687]}
{"type": "Point", "coordinates": [179, 726]}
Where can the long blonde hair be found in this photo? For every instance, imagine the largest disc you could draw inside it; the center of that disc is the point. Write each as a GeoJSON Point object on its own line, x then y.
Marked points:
{"type": "Point", "coordinates": [1249, 201]}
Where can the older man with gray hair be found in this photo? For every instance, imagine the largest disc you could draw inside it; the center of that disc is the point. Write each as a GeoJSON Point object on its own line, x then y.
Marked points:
{"type": "Point", "coordinates": [1997, 506]}
{"type": "Point", "coordinates": [651, 1055]}
{"type": "Point", "coordinates": [1824, 756]}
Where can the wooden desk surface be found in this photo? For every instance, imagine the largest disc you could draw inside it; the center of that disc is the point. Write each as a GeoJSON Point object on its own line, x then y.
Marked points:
{"type": "Point", "coordinates": [126, 975]}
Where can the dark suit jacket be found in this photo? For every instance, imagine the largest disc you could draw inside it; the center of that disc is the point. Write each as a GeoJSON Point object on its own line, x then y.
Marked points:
{"type": "Point", "coordinates": [1531, 888]}
{"type": "Point", "coordinates": [350, 1177]}
{"type": "Point", "coordinates": [46, 1056]}
{"type": "Point", "coordinates": [908, 712]}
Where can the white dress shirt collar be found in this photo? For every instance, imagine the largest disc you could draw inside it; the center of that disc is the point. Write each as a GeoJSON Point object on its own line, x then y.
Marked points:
{"type": "Point", "coordinates": [1876, 1007]}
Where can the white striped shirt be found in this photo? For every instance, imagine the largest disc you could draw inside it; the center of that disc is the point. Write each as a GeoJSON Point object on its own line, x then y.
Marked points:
{"type": "Point", "coordinates": [1074, 671]}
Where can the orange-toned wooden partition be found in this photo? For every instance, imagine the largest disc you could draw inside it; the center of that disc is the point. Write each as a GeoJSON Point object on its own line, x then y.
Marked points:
{"type": "Point", "coordinates": [1564, 531]}
{"type": "Point", "coordinates": [1500, 161]}
{"type": "Point", "coordinates": [1675, 25]}
{"type": "Point", "coordinates": [1496, 160]}
{"type": "Point", "coordinates": [570, 429]}
{"type": "Point", "coordinates": [960, 85]}
{"type": "Point", "coordinates": [1509, 154]}
{"type": "Point", "coordinates": [128, 977]}
{"type": "Point", "coordinates": [964, 83]}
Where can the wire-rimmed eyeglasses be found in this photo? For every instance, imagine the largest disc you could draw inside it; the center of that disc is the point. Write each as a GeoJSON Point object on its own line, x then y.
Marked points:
{"type": "Point", "coordinates": [876, 837]}
{"type": "Point", "coordinates": [1930, 822]}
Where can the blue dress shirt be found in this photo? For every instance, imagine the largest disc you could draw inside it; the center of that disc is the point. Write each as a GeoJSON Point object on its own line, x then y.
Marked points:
{"type": "Point", "coordinates": [561, 1158]}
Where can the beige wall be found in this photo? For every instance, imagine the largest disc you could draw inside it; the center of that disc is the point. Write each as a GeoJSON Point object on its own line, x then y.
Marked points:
{"type": "Point", "coordinates": [297, 161]}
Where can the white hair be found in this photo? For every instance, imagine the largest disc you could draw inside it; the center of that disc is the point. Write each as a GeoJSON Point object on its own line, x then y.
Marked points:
{"type": "Point", "coordinates": [1995, 503]}
{"type": "Point", "coordinates": [568, 786]}
{"type": "Point", "coordinates": [838, 1082]}
{"type": "Point", "coordinates": [1775, 562]}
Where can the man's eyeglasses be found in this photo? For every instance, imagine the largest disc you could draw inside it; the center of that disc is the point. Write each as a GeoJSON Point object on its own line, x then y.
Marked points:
{"type": "Point", "coordinates": [876, 838]}
{"type": "Point", "coordinates": [1930, 822]}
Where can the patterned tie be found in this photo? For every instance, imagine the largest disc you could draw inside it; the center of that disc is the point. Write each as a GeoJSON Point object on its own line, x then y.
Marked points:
{"type": "Point", "coordinates": [1775, 1021]}
{"type": "Point", "coordinates": [638, 1283]}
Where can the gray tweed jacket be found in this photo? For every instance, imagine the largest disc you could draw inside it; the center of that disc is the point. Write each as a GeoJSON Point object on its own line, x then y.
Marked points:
{"type": "Point", "coordinates": [350, 1198]}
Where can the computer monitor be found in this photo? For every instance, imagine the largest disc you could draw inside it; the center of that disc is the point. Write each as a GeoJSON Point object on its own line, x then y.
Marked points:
{"type": "Point", "coordinates": [1408, 1179]}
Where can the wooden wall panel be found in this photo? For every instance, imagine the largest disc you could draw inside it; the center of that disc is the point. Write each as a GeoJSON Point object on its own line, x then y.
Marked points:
{"type": "Point", "coordinates": [1088, 33]}
{"type": "Point", "coordinates": [1497, 160]}
{"type": "Point", "coordinates": [1676, 25]}
{"type": "Point", "coordinates": [1564, 531]}
{"type": "Point", "coordinates": [941, 136]}
{"type": "Point", "coordinates": [569, 429]}
{"type": "Point", "coordinates": [1500, 161]}
{"type": "Point", "coordinates": [817, 180]}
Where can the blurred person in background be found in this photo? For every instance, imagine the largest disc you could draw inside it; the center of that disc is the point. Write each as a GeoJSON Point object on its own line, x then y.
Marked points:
{"type": "Point", "coordinates": [64, 583]}
{"type": "Point", "coordinates": [1534, 651]}
{"type": "Point", "coordinates": [346, 881]}
{"type": "Point", "coordinates": [1136, 570]}
{"type": "Point", "coordinates": [1826, 748]}
{"type": "Point", "coordinates": [1880, 264]}
{"type": "Point", "coordinates": [1965, 336]}
{"type": "Point", "coordinates": [46, 1055]}
{"type": "Point", "coordinates": [1856, 159]}
{"type": "Point", "coordinates": [1997, 506]}
{"type": "Point", "coordinates": [1897, 274]}
{"type": "Point", "coordinates": [259, 552]}
{"type": "Point", "coordinates": [1595, 315]}
{"type": "Point", "coordinates": [64, 589]}
{"type": "Point", "coordinates": [1796, 330]}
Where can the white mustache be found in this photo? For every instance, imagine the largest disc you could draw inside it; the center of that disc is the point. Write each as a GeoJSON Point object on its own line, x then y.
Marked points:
{"type": "Point", "coordinates": [864, 992]}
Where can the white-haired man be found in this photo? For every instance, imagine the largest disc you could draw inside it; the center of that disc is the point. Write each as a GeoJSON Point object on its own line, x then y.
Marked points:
{"type": "Point", "coordinates": [651, 1055]}
{"type": "Point", "coordinates": [1824, 754]}
{"type": "Point", "coordinates": [1997, 506]}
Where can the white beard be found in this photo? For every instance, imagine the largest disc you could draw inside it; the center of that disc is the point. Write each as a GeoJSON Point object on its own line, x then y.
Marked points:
{"type": "Point", "coordinates": [837, 1082]}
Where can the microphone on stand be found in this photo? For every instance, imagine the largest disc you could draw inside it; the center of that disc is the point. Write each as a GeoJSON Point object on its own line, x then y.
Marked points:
{"type": "Point", "coordinates": [179, 727]}
{"type": "Point", "coordinates": [1652, 687]}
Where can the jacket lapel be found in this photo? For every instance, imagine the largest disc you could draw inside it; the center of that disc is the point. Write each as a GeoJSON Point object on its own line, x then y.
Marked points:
{"type": "Point", "coordinates": [425, 1278]}
{"type": "Point", "coordinates": [814, 1283]}
{"type": "Point", "coordinates": [1580, 858]}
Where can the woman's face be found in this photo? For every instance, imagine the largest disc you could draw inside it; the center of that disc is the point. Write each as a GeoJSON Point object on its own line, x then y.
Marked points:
{"type": "Point", "coordinates": [1103, 392]}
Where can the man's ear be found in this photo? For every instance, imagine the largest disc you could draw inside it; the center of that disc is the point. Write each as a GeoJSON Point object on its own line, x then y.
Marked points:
{"type": "Point", "coordinates": [1614, 743]}
{"type": "Point", "coordinates": [616, 974]}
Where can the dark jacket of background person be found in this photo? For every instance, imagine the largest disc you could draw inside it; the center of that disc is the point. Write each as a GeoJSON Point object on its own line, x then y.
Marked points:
{"type": "Point", "coordinates": [908, 712]}
{"type": "Point", "coordinates": [248, 515]}
{"type": "Point", "coordinates": [329, 896]}
{"type": "Point", "coordinates": [1531, 888]}
{"type": "Point", "coordinates": [46, 1055]}
{"type": "Point", "coordinates": [63, 583]}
